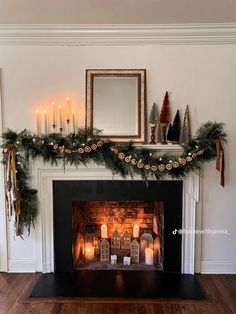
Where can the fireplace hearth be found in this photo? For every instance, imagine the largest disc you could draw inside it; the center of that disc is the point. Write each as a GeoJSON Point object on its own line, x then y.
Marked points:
{"type": "Point", "coordinates": [117, 225]}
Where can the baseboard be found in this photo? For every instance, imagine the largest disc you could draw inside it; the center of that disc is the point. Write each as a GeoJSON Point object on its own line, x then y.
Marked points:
{"type": "Point", "coordinates": [22, 266]}
{"type": "Point", "coordinates": [218, 267]}
{"type": "Point", "coordinates": [207, 267]}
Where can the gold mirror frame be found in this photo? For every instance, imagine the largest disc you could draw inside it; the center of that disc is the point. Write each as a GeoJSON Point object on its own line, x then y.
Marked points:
{"type": "Point", "coordinates": [140, 74]}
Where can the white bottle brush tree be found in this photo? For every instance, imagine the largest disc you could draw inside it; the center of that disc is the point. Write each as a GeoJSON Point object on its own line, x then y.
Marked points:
{"type": "Point", "coordinates": [153, 120]}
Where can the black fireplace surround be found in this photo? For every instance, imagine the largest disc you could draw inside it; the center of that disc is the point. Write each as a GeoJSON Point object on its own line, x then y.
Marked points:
{"type": "Point", "coordinates": [65, 192]}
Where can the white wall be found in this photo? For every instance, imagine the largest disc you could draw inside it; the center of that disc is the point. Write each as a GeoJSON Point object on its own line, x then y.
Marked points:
{"type": "Point", "coordinates": [202, 76]}
{"type": "Point", "coordinates": [116, 11]}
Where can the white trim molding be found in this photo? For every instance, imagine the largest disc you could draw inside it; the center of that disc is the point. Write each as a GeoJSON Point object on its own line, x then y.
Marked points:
{"type": "Point", "coordinates": [218, 267]}
{"type": "Point", "coordinates": [22, 265]}
{"type": "Point", "coordinates": [117, 34]}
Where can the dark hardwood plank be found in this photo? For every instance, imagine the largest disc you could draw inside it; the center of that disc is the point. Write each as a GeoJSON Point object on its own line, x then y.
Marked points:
{"type": "Point", "coordinates": [15, 289]}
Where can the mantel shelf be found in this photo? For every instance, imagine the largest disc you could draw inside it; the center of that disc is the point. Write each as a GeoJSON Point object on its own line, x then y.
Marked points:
{"type": "Point", "coordinates": [162, 147]}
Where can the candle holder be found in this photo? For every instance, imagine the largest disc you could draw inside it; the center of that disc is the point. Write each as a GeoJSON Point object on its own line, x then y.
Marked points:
{"type": "Point", "coordinates": [68, 126]}
{"type": "Point", "coordinates": [61, 129]}
{"type": "Point", "coordinates": [54, 127]}
{"type": "Point", "coordinates": [153, 135]}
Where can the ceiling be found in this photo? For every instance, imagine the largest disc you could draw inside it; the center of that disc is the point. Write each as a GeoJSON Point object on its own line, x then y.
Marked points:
{"type": "Point", "coordinates": [117, 11]}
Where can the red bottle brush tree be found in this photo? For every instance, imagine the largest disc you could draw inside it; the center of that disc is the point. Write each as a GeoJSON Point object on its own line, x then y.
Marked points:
{"type": "Point", "coordinates": [165, 110]}
{"type": "Point", "coordinates": [165, 117]}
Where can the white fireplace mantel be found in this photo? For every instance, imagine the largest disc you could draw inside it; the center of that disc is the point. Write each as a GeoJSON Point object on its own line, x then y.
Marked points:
{"type": "Point", "coordinates": [43, 177]}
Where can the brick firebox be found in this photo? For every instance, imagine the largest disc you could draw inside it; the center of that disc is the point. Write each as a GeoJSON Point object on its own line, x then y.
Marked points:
{"type": "Point", "coordinates": [120, 215]}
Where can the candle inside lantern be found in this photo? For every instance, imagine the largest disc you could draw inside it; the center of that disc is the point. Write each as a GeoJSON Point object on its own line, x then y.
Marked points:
{"type": "Point", "coordinates": [148, 256]}
{"type": "Point", "coordinates": [45, 122]}
{"type": "Point", "coordinates": [89, 252]}
{"type": "Point", "coordinates": [38, 124]}
{"type": "Point", "coordinates": [135, 231]}
{"type": "Point", "coordinates": [104, 231]}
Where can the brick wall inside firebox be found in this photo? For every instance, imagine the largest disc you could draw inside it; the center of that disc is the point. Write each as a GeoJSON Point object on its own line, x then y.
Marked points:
{"type": "Point", "coordinates": [120, 215]}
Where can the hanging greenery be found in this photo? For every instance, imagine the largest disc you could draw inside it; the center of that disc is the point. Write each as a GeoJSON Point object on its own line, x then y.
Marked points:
{"type": "Point", "coordinates": [86, 145]}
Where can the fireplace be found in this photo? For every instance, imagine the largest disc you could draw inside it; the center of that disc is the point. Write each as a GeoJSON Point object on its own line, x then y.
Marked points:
{"type": "Point", "coordinates": [117, 225]}
{"type": "Point", "coordinates": [67, 196]}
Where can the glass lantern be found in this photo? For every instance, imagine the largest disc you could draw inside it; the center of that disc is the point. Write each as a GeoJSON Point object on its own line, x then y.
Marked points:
{"type": "Point", "coordinates": [90, 247]}
{"type": "Point", "coordinates": [147, 248]}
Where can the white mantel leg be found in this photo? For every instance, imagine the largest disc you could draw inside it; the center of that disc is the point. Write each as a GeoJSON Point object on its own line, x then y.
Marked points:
{"type": "Point", "coordinates": [190, 199]}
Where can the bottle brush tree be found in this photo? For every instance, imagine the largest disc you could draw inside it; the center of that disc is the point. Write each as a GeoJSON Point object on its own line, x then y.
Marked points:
{"type": "Point", "coordinates": [153, 120]}
{"type": "Point", "coordinates": [165, 117]}
{"type": "Point", "coordinates": [170, 133]}
{"type": "Point", "coordinates": [154, 115]}
{"type": "Point", "coordinates": [185, 136]}
{"type": "Point", "coordinates": [176, 128]}
{"type": "Point", "coordinates": [165, 110]}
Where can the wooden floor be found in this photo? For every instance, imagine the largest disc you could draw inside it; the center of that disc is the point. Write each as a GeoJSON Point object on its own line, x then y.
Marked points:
{"type": "Point", "coordinates": [15, 288]}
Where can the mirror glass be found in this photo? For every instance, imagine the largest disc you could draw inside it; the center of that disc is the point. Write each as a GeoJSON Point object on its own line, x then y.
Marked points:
{"type": "Point", "coordinates": [115, 102]}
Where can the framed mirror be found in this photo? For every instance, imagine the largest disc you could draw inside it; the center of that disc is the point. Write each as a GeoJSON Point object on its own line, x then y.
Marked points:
{"type": "Point", "coordinates": [116, 104]}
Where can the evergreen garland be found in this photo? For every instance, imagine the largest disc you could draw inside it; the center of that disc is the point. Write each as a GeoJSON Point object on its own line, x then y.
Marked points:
{"type": "Point", "coordinates": [86, 145]}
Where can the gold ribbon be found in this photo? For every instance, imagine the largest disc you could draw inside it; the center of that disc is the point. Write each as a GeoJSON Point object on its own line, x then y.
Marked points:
{"type": "Point", "coordinates": [12, 191]}
{"type": "Point", "coordinates": [220, 161]}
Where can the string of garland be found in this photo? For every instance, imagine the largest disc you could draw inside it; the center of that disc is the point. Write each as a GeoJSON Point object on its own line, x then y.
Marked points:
{"type": "Point", "coordinates": [86, 146]}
